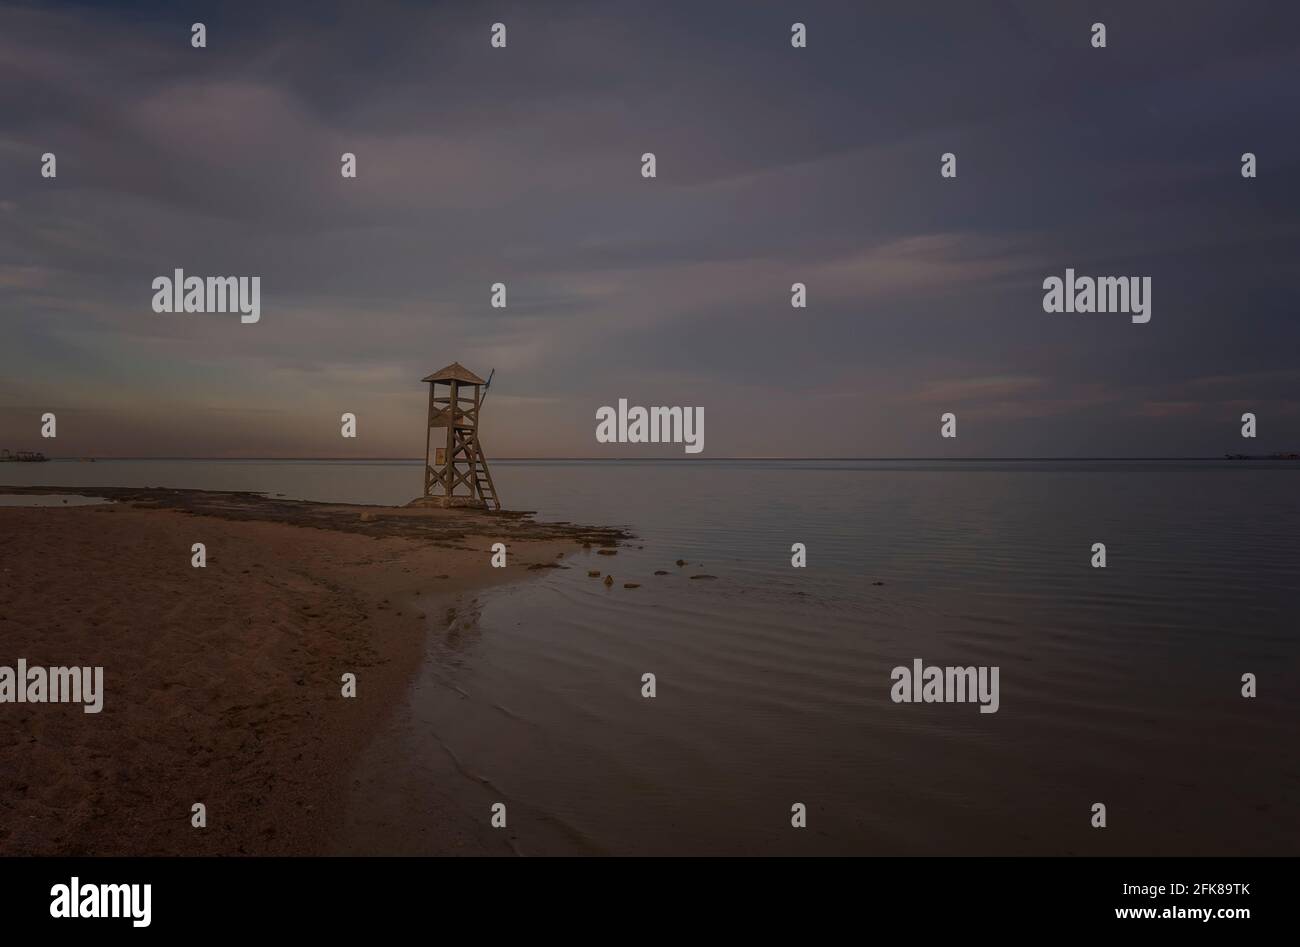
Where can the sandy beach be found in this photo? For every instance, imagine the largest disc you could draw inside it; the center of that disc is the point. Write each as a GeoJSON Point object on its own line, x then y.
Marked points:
{"type": "Point", "coordinates": [222, 684]}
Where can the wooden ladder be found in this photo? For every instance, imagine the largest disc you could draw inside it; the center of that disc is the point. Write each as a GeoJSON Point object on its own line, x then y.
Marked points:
{"type": "Point", "coordinates": [483, 480]}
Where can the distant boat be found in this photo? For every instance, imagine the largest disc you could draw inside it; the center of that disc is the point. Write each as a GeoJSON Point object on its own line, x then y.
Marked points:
{"type": "Point", "coordinates": [1278, 456]}
{"type": "Point", "coordinates": [22, 457]}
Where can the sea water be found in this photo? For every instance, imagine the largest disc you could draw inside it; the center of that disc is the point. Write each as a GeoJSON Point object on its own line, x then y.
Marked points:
{"type": "Point", "coordinates": [1119, 685]}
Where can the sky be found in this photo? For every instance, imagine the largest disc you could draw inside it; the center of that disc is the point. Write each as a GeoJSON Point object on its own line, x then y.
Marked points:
{"type": "Point", "coordinates": [775, 165]}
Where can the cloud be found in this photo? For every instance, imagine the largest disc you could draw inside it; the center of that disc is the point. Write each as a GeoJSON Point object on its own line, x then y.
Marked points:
{"type": "Point", "coordinates": [522, 166]}
{"type": "Point", "coordinates": [979, 389]}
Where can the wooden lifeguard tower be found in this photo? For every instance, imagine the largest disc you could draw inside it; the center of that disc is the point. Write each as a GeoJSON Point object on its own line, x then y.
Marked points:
{"type": "Point", "coordinates": [456, 460]}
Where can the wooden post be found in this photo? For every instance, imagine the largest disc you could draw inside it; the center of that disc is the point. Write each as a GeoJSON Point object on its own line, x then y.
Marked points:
{"type": "Point", "coordinates": [450, 468]}
{"type": "Point", "coordinates": [428, 427]}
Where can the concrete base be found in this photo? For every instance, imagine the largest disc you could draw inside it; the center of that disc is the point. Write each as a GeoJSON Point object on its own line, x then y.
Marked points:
{"type": "Point", "coordinates": [473, 503]}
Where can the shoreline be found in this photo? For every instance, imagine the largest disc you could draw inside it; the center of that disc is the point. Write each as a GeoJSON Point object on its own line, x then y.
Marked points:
{"type": "Point", "coordinates": [222, 684]}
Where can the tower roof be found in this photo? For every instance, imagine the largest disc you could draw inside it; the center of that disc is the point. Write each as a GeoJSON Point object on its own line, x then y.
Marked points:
{"type": "Point", "coordinates": [455, 372]}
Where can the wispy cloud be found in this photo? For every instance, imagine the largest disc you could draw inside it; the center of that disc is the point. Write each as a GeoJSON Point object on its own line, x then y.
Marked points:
{"type": "Point", "coordinates": [522, 166]}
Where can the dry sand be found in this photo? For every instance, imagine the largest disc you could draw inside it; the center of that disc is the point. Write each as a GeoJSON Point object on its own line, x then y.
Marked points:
{"type": "Point", "coordinates": [222, 684]}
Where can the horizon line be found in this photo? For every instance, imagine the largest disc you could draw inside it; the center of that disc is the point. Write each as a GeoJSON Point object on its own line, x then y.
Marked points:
{"type": "Point", "coordinates": [416, 460]}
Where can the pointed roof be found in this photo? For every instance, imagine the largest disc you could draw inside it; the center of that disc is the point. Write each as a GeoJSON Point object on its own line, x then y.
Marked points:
{"type": "Point", "coordinates": [455, 371]}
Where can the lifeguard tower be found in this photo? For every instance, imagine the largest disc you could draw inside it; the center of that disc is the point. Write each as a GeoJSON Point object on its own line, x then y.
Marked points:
{"type": "Point", "coordinates": [455, 470]}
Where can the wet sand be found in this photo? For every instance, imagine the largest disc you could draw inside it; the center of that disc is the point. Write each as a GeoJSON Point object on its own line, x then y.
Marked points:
{"type": "Point", "coordinates": [222, 684]}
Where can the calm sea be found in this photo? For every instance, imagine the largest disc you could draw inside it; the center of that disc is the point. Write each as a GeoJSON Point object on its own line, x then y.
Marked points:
{"type": "Point", "coordinates": [1119, 686]}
